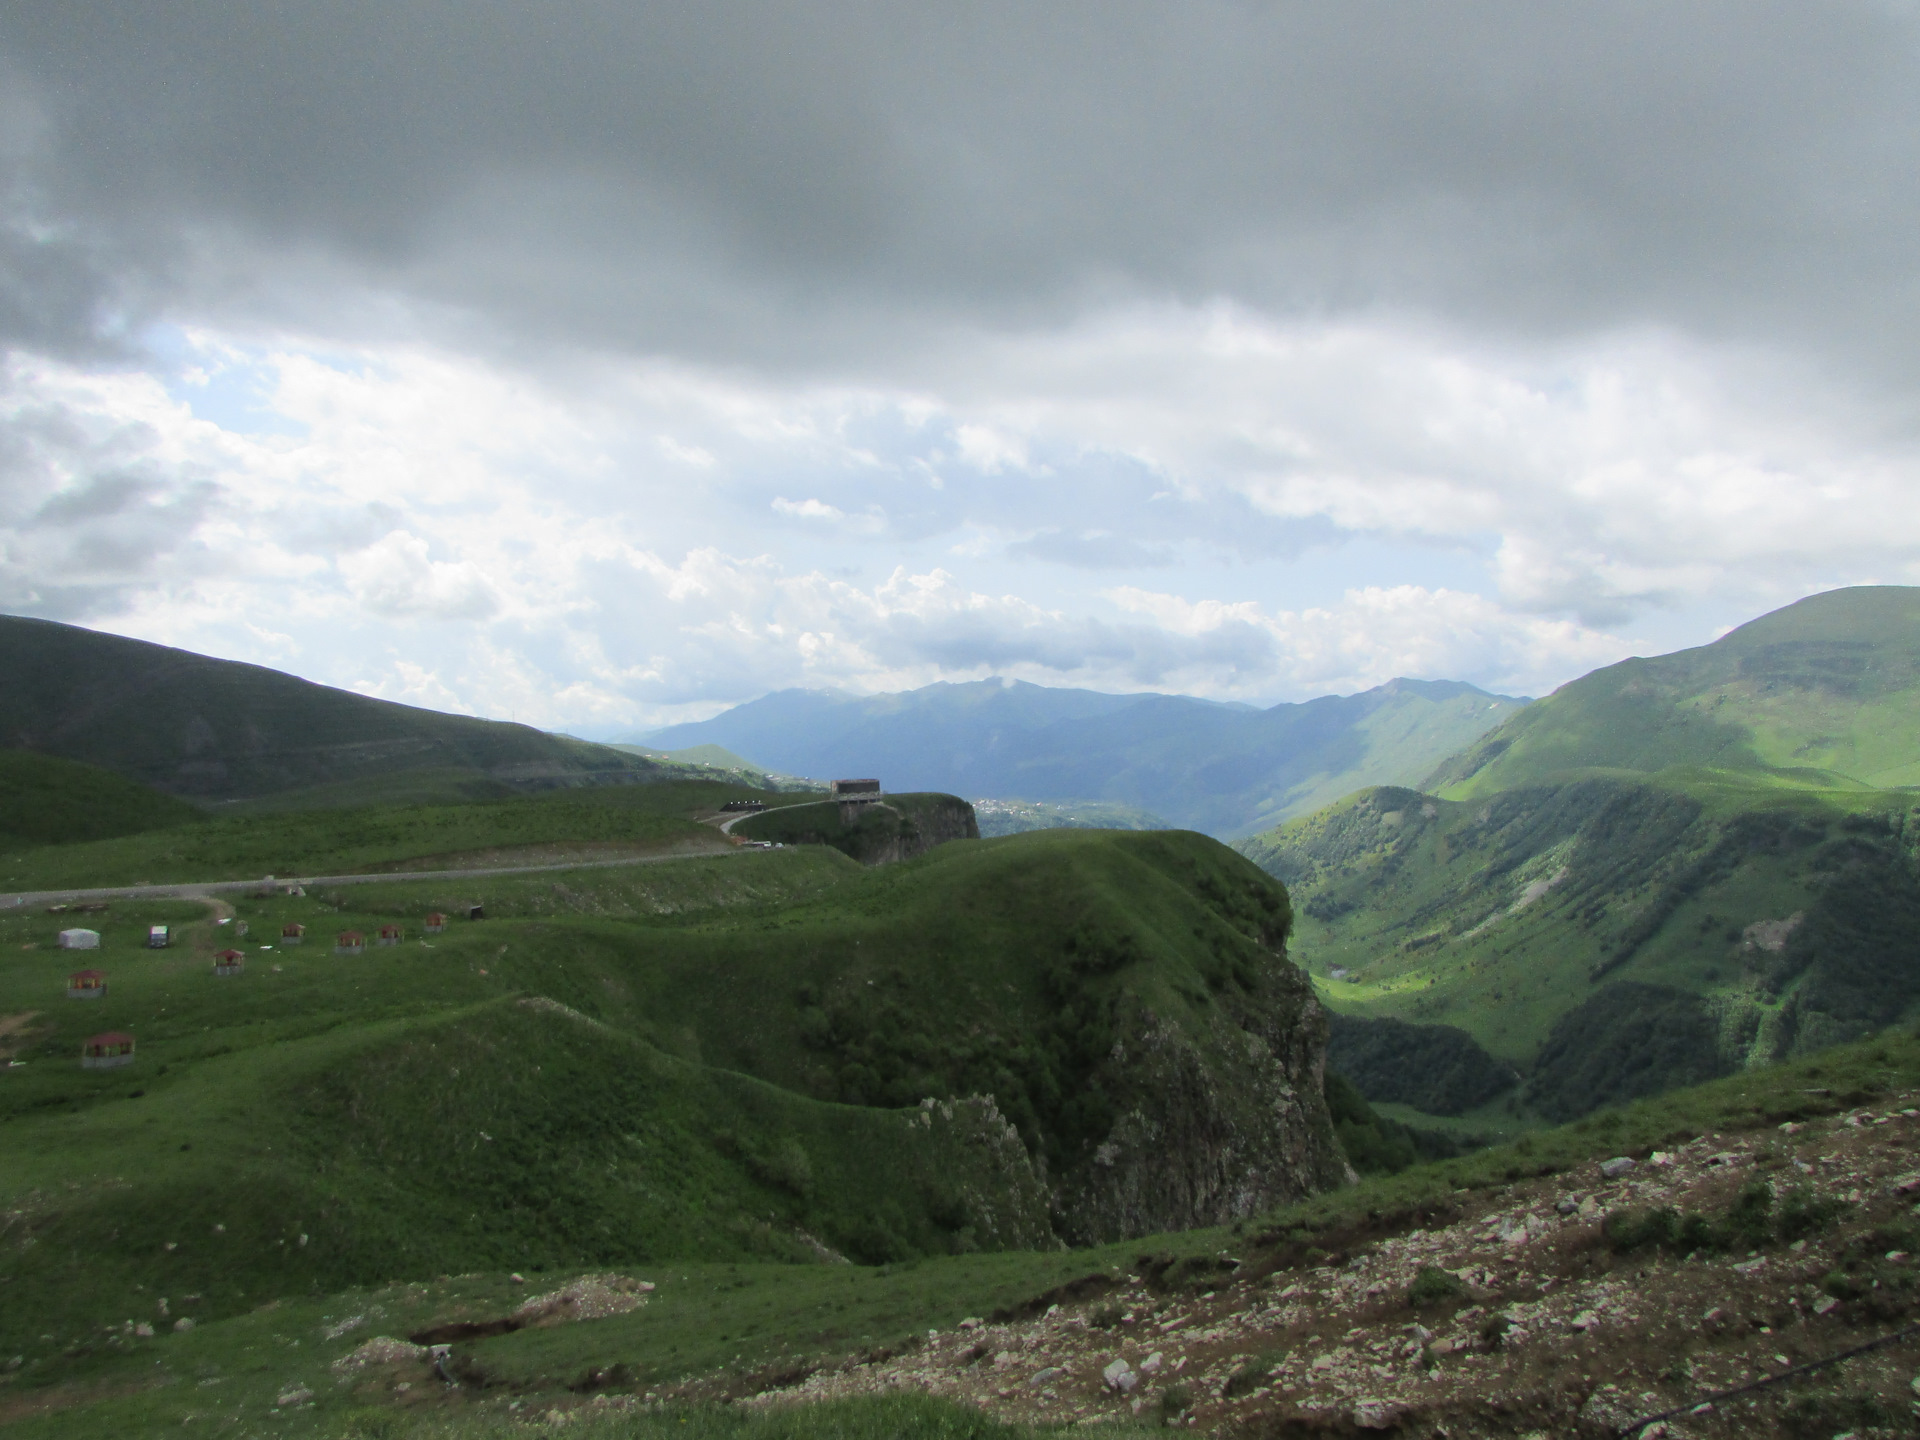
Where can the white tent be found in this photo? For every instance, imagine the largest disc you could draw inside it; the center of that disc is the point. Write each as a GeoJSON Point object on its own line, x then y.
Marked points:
{"type": "Point", "coordinates": [79, 939]}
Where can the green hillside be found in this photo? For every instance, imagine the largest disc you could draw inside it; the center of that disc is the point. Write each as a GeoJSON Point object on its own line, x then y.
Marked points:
{"type": "Point", "coordinates": [1667, 870]}
{"type": "Point", "coordinates": [714, 1060]}
{"type": "Point", "coordinates": [217, 729]}
{"type": "Point", "coordinates": [551, 827]}
{"type": "Point", "coordinates": [47, 801]}
{"type": "Point", "coordinates": [1825, 692]}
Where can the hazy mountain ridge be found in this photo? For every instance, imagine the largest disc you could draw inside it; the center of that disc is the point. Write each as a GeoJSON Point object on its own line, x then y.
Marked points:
{"type": "Point", "coordinates": [1220, 768]}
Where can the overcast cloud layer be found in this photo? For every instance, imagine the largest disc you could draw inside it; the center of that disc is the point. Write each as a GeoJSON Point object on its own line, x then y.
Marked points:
{"type": "Point", "coordinates": [604, 364]}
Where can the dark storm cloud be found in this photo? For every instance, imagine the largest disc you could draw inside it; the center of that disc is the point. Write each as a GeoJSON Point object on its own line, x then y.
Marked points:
{"type": "Point", "coordinates": [820, 180]}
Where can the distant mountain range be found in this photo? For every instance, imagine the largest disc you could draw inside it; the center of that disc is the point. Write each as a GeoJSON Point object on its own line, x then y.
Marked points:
{"type": "Point", "coordinates": [1666, 870]}
{"type": "Point", "coordinates": [218, 729]}
{"type": "Point", "coordinates": [1220, 768]}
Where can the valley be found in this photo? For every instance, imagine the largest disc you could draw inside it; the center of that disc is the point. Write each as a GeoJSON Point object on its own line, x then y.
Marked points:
{"type": "Point", "coordinates": [759, 1121]}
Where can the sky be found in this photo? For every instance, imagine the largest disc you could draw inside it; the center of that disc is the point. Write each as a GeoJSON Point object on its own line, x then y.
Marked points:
{"type": "Point", "coordinates": [603, 364]}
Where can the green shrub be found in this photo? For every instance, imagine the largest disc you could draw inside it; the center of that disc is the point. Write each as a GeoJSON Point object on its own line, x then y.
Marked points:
{"type": "Point", "coordinates": [1434, 1286]}
{"type": "Point", "coordinates": [1174, 1401]}
{"type": "Point", "coordinates": [1254, 1373]}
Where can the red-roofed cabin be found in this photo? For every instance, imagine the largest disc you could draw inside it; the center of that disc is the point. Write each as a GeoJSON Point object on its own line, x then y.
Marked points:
{"type": "Point", "coordinates": [349, 942]}
{"type": "Point", "coordinates": [292, 933]}
{"type": "Point", "coordinates": [228, 962]}
{"type": "Point", "coordinates": [389, 935]}
{"type": "Point", "coordinates": [436, 923]}
{"type": "Point", "coordinates": [104, 1052]}
{"type": "Point", "coordinates": [86, 985]}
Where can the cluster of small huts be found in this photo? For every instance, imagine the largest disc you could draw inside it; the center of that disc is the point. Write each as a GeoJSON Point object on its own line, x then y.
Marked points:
{"type": "Point", "coordinates": [113, 1048]}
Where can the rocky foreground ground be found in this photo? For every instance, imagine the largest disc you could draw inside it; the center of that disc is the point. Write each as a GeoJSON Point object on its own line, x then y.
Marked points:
{"type": "Point", "coordinates": [1540, 1316]}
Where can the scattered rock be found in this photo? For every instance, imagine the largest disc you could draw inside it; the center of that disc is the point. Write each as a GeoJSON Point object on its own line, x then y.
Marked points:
{"type": "Point", "coordinates": [183, 1324]}
{"type": "Point", "coordinates": [143, 1330]}
{"type": "Point", "coordinates": [1119, 1377]}
{"type": "Point", "coordinates": [1046, 1376]}
{"type": "Point", "coordinates": [1151, 1365]}
{"type": "Point", "coordinates": [1376, 1415]}
{"type": "Point", "coordinates": [1620, 1164]}
{"type": "Point", "coordinates": [380, 1350]}
{"type": "Point", "coordinates": [299, 1395]}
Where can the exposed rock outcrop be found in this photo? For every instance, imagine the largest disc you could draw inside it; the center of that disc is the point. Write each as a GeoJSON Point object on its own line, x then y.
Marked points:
{"type": "Point", "coordinates": [1222, 1117]}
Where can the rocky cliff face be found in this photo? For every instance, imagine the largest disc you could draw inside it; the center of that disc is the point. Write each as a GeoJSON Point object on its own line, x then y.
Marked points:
{"type": "Point", "coordinates": [1222, 1117]}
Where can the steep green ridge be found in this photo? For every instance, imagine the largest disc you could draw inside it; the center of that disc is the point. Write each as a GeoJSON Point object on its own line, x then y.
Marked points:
{"type": "Point", "coordinates": [1668, 869]}
{"type": "Point", "coordinates": [1825, 692]}
{"type": "Point", "coordinates": [1222, 769]}
{"type": "Point", "coordinates": [713, 1060]}
{"type": "Point", "coordinates": [1733, 924]}
{"type": "Point", "coordinates": [218, 729]}
{"type": "Point", "coordinates": [46, 801]}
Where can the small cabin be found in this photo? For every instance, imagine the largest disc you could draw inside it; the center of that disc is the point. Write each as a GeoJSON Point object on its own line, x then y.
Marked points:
{"type": "Point", "coordinates": [159, 937]}
{"type": "Point", "coordinates": [105, 1052]}
{"type": "Point", "coordinates": [229, 962]}
{"type": "Point", "coordinates": [476, 912]}
{"type": "Point", "coordinates": [389, 935]}
{"type": "Point", "coordinates": [349, 942]}
{"type": "Point", "coordinates": [292, 933]}
{"type": "Point", "coordinates": [436, 924]}
{"type": "Point", "coordinates": [86, 985]}
{"type": "Point", "coordinates": [78, 939]}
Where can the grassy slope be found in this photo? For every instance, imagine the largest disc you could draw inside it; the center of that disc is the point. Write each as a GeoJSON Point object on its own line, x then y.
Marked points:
{"type": "Point", "coordinates": [1626, 831]}
{"type": "Point", "coordinates": [341, 839]}
{"type": "Point", "coordinates": [1825, 692]}
{"type": "Point", "coordinates": [1425, 907]}
{"type": "Point", "coordinates": [49, 801]}
{"type": "Point", "coordinates": [323, 1095]}
{"type": "Point", "coordinates": [407, 1114]}
{"type": "Point", "coordinates": [739, 1323]}
{"type": "Point", "coordinates": [211, 728]}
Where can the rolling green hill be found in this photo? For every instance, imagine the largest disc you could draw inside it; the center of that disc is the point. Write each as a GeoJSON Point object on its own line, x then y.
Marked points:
{"type": "Point", "coordinates": [1667, 870]}
{"type": "Point", "coordinates": [754, 1054]}
{"type": "Point", "coordinates": [1825, 692]}
{"type": "Point", "coordinates": [47, 801]}
{"type": "Point", "coordinates": [218, 729]}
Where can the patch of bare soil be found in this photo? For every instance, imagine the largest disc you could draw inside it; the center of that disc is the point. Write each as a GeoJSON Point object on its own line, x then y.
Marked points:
{"type": "Point", "coordinates": [1538, 1325]}
{"type": "Point", "coordinates": [17, 1033]}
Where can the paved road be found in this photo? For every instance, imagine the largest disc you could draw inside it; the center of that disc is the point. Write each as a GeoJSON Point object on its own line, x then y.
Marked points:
{"type": "Point", "coordinates": [726, 825]}
{"type": "Point", "coordinates": [205, 889]}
